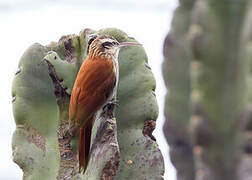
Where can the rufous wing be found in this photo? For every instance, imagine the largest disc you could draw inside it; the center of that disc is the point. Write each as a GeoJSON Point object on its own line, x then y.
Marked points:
{"type": "Point", "coordinates": [93, 86]}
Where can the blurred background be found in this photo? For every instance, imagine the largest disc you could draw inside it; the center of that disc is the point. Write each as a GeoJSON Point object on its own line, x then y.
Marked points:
{"type": "Point", "coordinates": [24, 22]}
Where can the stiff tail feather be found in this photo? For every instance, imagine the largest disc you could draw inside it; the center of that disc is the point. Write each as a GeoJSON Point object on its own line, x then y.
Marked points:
{"type": "Point", "coordinates": [84, 145]}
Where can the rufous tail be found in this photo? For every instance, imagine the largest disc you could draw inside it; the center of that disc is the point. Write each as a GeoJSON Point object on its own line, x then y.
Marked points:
{"type": "Point", "coordinates": [84, 145]}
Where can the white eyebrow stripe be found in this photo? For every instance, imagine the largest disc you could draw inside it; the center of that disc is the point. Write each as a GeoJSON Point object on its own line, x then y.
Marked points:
{"type": "Point", "coordinates": [107, 40]}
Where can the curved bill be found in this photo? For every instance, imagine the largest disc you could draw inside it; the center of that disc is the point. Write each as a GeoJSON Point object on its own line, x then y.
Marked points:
{"type": "Point", "coordinates": [122, 44]}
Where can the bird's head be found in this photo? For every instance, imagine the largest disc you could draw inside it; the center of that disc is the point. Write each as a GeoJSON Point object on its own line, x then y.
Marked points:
{"type": "Point", "coordinates": [106, 46]}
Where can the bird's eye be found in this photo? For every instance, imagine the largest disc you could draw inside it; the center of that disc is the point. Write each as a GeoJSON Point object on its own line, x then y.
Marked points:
{"type": "Point", "coordinates": [115, 43]}
{"type": "Point", "coordinates": [107, 44]}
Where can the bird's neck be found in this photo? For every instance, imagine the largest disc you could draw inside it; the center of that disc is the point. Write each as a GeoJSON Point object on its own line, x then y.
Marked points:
{"type": "Point", "coordinates": [103, 56]}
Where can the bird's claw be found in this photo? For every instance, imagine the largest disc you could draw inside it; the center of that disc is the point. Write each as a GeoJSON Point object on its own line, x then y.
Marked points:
{"type": "Point", "coordinates": [109, 107]}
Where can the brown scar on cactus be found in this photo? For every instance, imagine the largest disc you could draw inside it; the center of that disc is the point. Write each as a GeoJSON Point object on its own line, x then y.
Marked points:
{"type": "Point", "coordinates": [35, 137]}
{"type": "Point", "coordinates": [70, 50]}
{"type": "Point", "coordinates": [149, 127]}
{"type": "Point", "coordinates": [109, 136]}
{"type": "Point", "coordinates": [59, 91]}
{"type": "Point", "coordinates": [68, 158]}
{"type": "Point", "coordinates": [109, 171]}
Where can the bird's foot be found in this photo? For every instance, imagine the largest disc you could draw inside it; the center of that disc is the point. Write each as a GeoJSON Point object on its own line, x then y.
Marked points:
{"type": "Point", "coordinates": [109, 107]}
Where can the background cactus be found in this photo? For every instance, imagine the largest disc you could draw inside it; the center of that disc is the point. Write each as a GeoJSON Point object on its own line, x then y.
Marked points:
{"type": "Point", "coordinates": [41, 92]}
{"type": "Point", "coordinates": [208, 112]}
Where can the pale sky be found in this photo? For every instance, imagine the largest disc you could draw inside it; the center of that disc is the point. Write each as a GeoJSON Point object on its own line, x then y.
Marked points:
{"type": "Point", "coordinates": [24, 22]}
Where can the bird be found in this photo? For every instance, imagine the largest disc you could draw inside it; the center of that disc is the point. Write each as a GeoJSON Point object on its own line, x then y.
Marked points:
{"type": "Point", "coordinates": [95, 86]}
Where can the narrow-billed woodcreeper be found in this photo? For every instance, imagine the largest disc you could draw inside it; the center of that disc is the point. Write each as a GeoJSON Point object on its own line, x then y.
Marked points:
{"type": "Point", "coordinates": [95, 86]}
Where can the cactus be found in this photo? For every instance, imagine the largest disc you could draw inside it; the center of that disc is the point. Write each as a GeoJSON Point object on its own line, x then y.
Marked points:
{"type": "Point", "coordinates": [206, 71]}
{"type": "Point", "coordinates": [122, 147]}
{"type": "Point", "coordinates": [176, 71]}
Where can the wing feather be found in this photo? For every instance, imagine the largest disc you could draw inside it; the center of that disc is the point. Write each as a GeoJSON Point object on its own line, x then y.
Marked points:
{"type": "Point", "coordinates": [93, 86]}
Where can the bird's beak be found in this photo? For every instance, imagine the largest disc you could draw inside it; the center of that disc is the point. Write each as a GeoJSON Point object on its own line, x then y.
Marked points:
{"type": "Point", "coordinates": [122, 44]}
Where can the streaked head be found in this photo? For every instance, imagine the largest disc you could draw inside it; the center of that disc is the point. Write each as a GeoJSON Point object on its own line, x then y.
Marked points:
{"type": "Point", "coordinates": [106, 46]}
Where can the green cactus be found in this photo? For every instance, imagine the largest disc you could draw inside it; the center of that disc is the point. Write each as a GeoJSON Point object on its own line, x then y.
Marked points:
{"type": "Point", "coordinates": [176, 71]}
{"type": "Point", "coordinates": [206, 72]}
{"type": "Point", "coordinates": [121, 148]}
